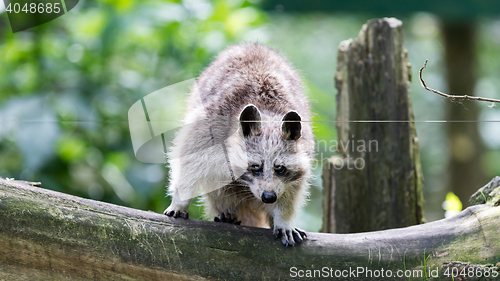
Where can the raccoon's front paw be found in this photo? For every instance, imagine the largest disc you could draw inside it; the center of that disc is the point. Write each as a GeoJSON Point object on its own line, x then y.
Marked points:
{"type": "Point", "coordinates": [289, 236]}
{"type": "Point", "coordinates": [227, 218]}
{"type": "Point", "coordinates": [173, 213]}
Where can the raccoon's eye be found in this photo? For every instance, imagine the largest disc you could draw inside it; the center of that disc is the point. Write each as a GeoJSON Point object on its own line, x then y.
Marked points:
{"type": "Point", "coordinates": [280, 170]}
{"type": "Point", "coordinates": [256, 169]}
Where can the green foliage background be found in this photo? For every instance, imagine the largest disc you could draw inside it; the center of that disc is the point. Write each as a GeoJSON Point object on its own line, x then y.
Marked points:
{"type": "Point", "coordinates": [66, 87]}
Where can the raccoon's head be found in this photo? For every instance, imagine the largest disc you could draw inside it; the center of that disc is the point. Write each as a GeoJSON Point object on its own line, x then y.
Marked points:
{"type": "Point", "coordinates": [276, 162]}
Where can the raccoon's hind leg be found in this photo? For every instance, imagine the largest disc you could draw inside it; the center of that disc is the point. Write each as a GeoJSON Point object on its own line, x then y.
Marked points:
{"type": "Point", "coordinates": [236, 205]}
{"type": "Point", "coordinates": [220, 204]}
{"type": "Point", "coordinates": [227, 218]}
{"type": "Point", "coordinates": [216, 207]}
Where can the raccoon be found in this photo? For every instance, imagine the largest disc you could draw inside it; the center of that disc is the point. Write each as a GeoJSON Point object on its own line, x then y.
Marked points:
{"type": "Point", "coordinates": [247, 144]}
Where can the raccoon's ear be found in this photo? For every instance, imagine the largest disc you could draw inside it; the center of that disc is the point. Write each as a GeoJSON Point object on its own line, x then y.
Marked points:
{"type": "Point", "coordinates": [250, 113]}
{"type": "Point", "coordinates": [290, 130]}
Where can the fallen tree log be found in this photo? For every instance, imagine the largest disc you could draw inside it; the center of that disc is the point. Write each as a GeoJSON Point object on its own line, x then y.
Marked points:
{"type": "Point", "coordinates": [49, 235]}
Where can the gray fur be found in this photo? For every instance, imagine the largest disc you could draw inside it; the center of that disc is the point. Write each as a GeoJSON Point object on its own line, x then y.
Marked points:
{"type": "Point", "coordinates": [251, 100]}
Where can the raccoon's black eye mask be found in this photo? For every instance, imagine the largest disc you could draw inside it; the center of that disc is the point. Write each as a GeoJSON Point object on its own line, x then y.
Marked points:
{"type": "Point", "coordinates": [256, 169]}
{"type": "Point", "coordinates": [280, 170]}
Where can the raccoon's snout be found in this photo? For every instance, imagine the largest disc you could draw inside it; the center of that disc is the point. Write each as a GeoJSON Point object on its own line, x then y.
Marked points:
{"type": "Point", "coordinates": [269, 197]}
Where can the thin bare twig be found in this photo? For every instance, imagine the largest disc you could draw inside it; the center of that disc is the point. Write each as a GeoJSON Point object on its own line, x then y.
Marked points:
{"type": "Point", "coordinates": [452, 97]}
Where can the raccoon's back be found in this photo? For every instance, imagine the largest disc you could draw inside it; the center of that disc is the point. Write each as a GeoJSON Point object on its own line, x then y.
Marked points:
{"type": "Point", "coordinates": [250, 73]}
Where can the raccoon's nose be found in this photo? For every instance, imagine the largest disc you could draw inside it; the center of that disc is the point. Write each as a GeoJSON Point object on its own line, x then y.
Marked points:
{"type": "Point", "coordinates": [268, 197]}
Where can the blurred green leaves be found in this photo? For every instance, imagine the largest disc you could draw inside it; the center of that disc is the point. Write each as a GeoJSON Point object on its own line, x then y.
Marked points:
{"type": "Point", "coordinates": [120, 160]}
{"type": "Point", "coordinates": [84, 70]}
{"type": "Point", "coordinates": [71, 148]}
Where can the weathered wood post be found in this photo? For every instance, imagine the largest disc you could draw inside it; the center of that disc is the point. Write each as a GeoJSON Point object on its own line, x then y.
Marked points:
{"type": "Point", "coordinates": [376, 183]}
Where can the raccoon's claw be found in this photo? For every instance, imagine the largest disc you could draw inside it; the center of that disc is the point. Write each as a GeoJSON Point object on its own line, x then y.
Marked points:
{"type": "Point", "coordinates": [299, 235]}
{"type": "Point", "coordinates": [277, 233]}
{"type": "Point", "coordinates": [289, 236]}
{"type": "Point", "coordinates": [227, 219]}
{"type": "Point", "coordinates": [176, 214]}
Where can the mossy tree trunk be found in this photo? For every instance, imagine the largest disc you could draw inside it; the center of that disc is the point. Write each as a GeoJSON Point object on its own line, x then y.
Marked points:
{"type": "Point", "coordinates": [376, 183]}
{"type": "Point", "coordinates": [465, 144]}
{"type": "Point", "coordinates": [46, 235]}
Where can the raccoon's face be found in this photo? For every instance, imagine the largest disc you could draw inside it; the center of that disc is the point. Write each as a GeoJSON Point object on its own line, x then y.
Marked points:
{"type": "Point", "coordinates": [275, 164]}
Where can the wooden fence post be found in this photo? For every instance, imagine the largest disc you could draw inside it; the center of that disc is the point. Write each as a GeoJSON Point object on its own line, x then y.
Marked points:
{"type": "Point", "coordinates": [376, 183]}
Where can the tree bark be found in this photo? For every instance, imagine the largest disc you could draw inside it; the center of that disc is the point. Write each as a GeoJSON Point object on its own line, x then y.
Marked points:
{"type": "Point", "coordinates": [378, 185]}
{"type": "Point", "coordinates": [46, 235]}
{"type": "Point", "coordinates": [465, 144]}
